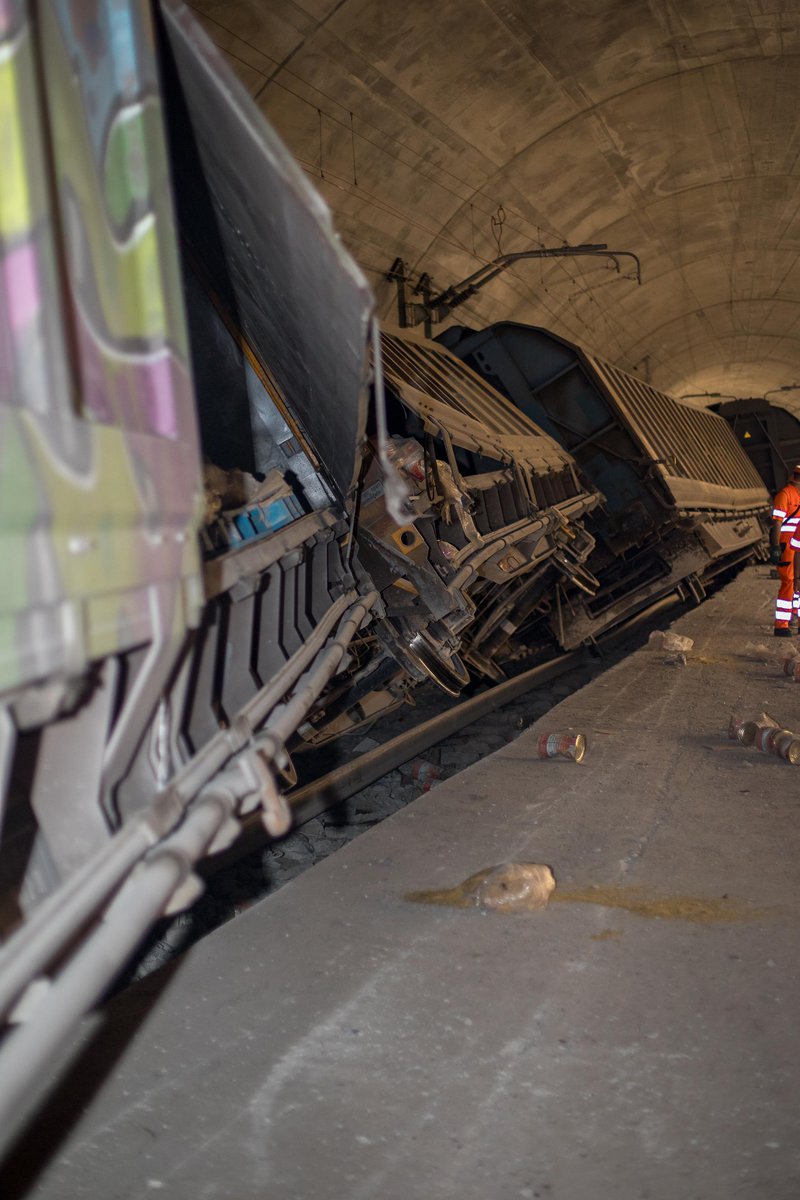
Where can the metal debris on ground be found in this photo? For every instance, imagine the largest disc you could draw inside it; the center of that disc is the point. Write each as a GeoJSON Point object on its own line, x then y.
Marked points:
{"type": "Point", "coordinates": [744, 729]}
{"type": "Point", "coordinates": [764, 739]}
{"type": "Point", "coordinates": [765, 735]}
{"type": "Point", "coordinates": [562, 745]}
{"type": "Point", "coordinates": [507, 888]}
{"type": "Point", "coordinates": [787, 746]}
{"type": "Point", "coordinates": [781, 742]}
{"type": "Point", "coordinates": [426, 774]}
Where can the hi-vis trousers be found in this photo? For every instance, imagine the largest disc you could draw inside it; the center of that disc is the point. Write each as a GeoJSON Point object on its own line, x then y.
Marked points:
{"type": "Point", "coordinates": [788, 602]}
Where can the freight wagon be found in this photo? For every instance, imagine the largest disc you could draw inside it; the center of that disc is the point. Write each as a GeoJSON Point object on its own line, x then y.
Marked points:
{"type": "Point", "coordinates": [682, 499]}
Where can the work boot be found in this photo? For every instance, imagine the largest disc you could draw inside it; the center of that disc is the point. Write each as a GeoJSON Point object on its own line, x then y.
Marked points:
{"type": "Point", "coordinates": [784, 632]}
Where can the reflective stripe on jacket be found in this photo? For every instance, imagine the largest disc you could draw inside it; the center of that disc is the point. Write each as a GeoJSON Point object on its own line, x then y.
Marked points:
{"type": "Point", "coordinates": [786, 508]}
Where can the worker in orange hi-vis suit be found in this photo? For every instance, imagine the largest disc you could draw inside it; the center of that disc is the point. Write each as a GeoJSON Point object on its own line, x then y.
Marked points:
{"type": "Point", "coordinates": [784, 541]}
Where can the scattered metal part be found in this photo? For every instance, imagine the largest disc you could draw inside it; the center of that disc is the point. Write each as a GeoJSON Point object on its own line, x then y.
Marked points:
{"type": "Point", "coordinates": [562, 745]}
{"type": "Point", "coordinates": [426, 774]}
{"type": "Point", "coordinates": [787, 746]}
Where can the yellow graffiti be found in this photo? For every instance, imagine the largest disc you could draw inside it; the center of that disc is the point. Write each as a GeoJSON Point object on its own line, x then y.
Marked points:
{"type": "Point", "coordinates": [15, 214]}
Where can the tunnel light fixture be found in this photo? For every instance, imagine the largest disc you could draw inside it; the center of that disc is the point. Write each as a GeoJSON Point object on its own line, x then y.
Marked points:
{"type": "Point", "coordinates": [433, 306]}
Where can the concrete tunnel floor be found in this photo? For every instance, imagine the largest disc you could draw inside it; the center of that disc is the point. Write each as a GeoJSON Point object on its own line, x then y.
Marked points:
{"type": "Point", "coordinates": [340, 1041]}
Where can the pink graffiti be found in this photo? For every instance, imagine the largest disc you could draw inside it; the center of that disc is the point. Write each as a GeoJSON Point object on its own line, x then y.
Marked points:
{"type": "Point", "coordinates": [6, 16]}
{"type": "Point", "coordinates": [143, 396]}
{"type": "Point", "coordinates": [20, 275]}
{"type": "Point", "coordinates": [157, 390]}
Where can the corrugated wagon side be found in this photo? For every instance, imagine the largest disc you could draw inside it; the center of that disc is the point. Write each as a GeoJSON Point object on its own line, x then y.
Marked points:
{"type": "Point", "coordinates": [681, 498]}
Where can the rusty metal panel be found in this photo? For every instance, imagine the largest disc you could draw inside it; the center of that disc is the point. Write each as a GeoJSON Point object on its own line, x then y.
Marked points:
{"type": "Point", "coordinates": [264, 237]}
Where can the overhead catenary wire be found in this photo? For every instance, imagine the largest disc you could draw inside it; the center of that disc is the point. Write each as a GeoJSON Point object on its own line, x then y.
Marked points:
{"type": "Point", "coordinates": [515, 282]}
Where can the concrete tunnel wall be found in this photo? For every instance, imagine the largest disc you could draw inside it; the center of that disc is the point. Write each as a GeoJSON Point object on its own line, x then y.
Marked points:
{"type": "Point", "coordinates": [667, 129]}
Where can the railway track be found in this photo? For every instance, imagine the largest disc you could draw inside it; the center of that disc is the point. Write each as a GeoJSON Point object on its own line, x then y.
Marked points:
{"type": "Point", "coordinates": [339, 803]}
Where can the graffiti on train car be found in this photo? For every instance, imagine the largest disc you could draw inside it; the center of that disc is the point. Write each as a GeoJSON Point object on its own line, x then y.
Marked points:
{"type": "Point", "coordinates": [100, 470]}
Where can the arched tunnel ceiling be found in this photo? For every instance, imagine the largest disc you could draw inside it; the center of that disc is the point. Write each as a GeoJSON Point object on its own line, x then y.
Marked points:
{"type": "Point", "coordinates": [669, 129]}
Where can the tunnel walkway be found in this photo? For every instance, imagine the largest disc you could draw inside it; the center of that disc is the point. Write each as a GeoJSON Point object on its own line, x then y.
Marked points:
{"type": "Point", "coordinates": [636, 1038]}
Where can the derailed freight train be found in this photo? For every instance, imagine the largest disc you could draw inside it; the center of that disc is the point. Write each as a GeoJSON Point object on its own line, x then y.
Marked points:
{"type": "Point", "coordinates": [682, 501]}
{"type": "Point", "coordinates": [237, 521]}
{"type": "Point", "coordinates": [492, 520]}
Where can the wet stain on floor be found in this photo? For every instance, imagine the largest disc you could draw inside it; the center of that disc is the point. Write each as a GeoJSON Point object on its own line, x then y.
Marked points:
{"type": "Point", "coordinates": [700, 909]}
{"type": "Point", "coordinates": [460, 896]}
{"type": "Point", "coordinates": [525, 887]}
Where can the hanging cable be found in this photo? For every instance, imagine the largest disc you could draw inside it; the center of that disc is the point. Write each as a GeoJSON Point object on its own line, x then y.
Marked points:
{"type": "Point", "coordinates": [498, 220]}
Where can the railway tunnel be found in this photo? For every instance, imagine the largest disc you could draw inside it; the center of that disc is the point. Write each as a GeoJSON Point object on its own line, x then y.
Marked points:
{"type": "Point", "coordinates": [665, 130]}
{"type": "Point", "coordinates": [391, 403]}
